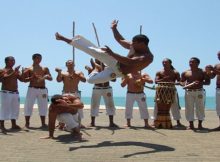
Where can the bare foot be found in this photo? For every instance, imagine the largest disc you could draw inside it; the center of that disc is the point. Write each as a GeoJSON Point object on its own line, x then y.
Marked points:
{"type": "Point", "coordinates": [190, 128]}
{"type": "Point", "coordinates": [82, 126]}
{"type": "Point", "coordinates": [27, 126]}
{"type": "Point", "coordinates": [113, 125]}
{"type": "Point", "coordinates": [201, 127]}
{"type": "Point", "coordinates": [16, 127]}
{"type": "Point", "coordinates": [216, 129]}
{"type": "Point", "coordinates": [3, 130]}
{"type": "Point", "coordinates": [127, 125]}
{"type": "Point", "coordinates": [92, 125]}
{"type": "Point", "coordinates": [44, 126]}
{"type": "Point", "coordinates": [149, 127]}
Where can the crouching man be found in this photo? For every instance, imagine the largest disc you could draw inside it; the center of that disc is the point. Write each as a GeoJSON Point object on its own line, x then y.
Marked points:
{"type": "Point", "coordinates": [64, 108]}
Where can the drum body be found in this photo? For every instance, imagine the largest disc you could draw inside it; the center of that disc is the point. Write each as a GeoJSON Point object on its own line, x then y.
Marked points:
{"type": "Point", "coordinates": [165, 92]}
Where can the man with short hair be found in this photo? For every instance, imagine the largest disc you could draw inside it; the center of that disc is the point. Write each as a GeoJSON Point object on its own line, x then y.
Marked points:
{"type": "Point", "coordinates": [101, 90]}
{"type": "Point", "coordinates": [36, 75]}
{"type": "Point", "coordinates": [117, 65]}
{"type": "Point", "coordinates": [9, 109]}
{"type": "Point", "coordinates": [135, 92]}
{"type": "Point", "coordinates": [71, 80]}
{"type": "Point", "coordinates": [194, 79]}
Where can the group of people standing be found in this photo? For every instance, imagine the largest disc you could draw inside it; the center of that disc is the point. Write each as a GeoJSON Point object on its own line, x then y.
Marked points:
{"type": "Point", "coordinates": [105, 67]}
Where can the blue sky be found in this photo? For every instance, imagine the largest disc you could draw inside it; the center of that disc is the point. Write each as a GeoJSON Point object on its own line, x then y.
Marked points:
{"type": "Point", "coordinates": [177, 29]}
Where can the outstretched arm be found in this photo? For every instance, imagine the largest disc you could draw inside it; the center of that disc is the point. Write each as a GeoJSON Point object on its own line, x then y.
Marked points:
{"type": "Point", "coordinates": [126, 60]}
{"type": "Point", "coordinates": [118, 37]}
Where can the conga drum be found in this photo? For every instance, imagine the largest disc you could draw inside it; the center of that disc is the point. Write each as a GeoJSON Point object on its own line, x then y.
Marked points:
{"type": "Point", "coordinates": [165, 93]}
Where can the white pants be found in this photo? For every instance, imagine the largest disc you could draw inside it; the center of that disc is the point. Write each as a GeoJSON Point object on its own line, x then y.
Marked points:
{"type": "Point", "coordinates": [77, 94]}
{"type": "Point", "coordinates": [141, 101]}
{"type": "Point", "coordinates": [194, 98]}
{"type": "Point", "coordinates": [9, 108]}
{"type": "Point", "coordinates": [85, 45]}
{"type": "Point", "coordinates": [174, 109]}
{"type": "Point", "coordinates": [107, 95]}
{"type": "Point", "coordinates": [42, 100]}
{"type": "Point", "coordinates": [70, 120]}
{"type": "Point", "coordinates": [218, 101]}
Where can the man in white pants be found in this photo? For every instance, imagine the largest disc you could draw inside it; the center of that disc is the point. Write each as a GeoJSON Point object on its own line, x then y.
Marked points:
{"type": "Point", "coordinates": [117, 65]}
{"type": "Point", "coordinates": [101, 90]}
{"type": "Point", "coordinates": [169, 74]}
{"type": "Point", "coordinates": [194, 79]}
{"type": "Point", "coordinates": [135, 85]}
{"type": "Point", "coordinates": [212, 72]}
{"type": "Point", "coordinates": [71, 80]}
{"type": "Point", "coordinates": [36, 75]}
{"type": "Point", "coordinates": [64, 108]}
{"type": "Point", "coordinates": [9, 108]}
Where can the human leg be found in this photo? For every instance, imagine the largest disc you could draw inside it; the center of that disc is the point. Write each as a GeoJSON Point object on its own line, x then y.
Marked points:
{"type": "Point", "coordinates": [95, 103]}
{"type": "Point", "coordinates": [189, 108]}
{"type": "Point", "coordinates": [129, 108]}
{"type": "Point", "coordinates": [42, 101]}
{"type": "Point", "coordinates": [29, 103]}
{"type": "Point", "coordinates": [175, 110]}
{"type": "Point", "coordinates": [142, 104]}
{"type": "Point", "coordinates": [200, 108]}
{"type": "Point", "coordinates": [109, 104]}
{"type": "Point", "coordinates": [15, 106]}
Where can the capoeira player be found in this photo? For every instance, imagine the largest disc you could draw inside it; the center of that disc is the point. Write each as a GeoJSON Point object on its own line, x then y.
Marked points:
{"type": "Point", "coordinates": [101, 90]}
{"type": "Point", "coordinates": [135, 85]}
{"type": "Point", "coordinates": [71, 79]}
{"type": "Point", "coordinates": [117, 65]}
{"type": "Point", "coordinates": [169, 74]}
{"type": "Point", "coordinates": [64, 108]}
{"type": "Point", "coordinates": [36, 75]}
{"type": "Point", "coordinates": [9, 108]}
{"type": "Point", "coordinates": [212, 72]}
{"type": "Point", "coordinates": [194, 79]}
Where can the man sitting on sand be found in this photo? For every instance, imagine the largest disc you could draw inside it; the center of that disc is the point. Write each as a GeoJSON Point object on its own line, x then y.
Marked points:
{"type": "Point", "coordinates": [117, 65]}
{"type": "Point", "coordinates": [64, 108]}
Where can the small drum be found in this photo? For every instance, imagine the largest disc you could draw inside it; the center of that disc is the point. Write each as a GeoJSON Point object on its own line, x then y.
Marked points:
{"type": "Point", "coordinates": [165, 93]}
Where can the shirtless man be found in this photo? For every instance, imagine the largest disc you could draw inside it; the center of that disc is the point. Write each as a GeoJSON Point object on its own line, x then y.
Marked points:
{"type": "Point", "coordinates": [36, 75]}
{"type": "Point", "coordinates": [101, 90]}
{"type": "Point", "coordinates": [194, 79]}
{"type": "Point", "coordinates": [117, 65]}
{"type": "Point", "coordinates": [169, 74]}
{"type": "Point", "coordinates": [71, 79]}
{"type": "Point", "coordinates": [9, 109]}
{"type": "Point", "coordinates": [135, 85]}
{"type": "Point", "coordinates": [212, 72]}
{"type": "Point", "coordinates": [64, 108]}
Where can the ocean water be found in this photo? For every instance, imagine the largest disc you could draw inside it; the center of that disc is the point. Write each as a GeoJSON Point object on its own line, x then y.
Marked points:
{"type": "Point", "coordinates": [120, 101]}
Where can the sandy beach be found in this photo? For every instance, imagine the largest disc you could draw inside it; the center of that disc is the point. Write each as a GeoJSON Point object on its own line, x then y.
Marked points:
{"type": "Point", "coordinates": [102, 143]}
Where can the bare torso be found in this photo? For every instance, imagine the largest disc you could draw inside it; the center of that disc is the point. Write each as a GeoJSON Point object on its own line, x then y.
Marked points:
{"type": "Point", "coordinates": [217, 67]}
{"type": "Point", "coordinates": [167, 76]}
{"type": "Point", "coordinates": [71, 81]}
{"type": "Point", "coordinates": [38, 73]}
{"type": "Point", "coordinates": [143, 60]}
{"type": "Point", "coordinates": [133, 84]}
{"type": "Point", "coordinates": [191, 76]}
{"type": "Point", "coordinates": [10, 83]}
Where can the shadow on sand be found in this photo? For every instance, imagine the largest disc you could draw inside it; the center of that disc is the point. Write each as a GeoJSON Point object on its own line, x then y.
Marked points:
{"type": "Point", "coordinates": [155, 147]}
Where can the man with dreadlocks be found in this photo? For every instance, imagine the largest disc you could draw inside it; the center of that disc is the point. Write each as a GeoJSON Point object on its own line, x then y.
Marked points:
{"type": "Point", "coordinates": [169, 74]}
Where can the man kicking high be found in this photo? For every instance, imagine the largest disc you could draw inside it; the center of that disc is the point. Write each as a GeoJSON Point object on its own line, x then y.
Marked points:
{"type": "Point", "coordinates": [118, 65]}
